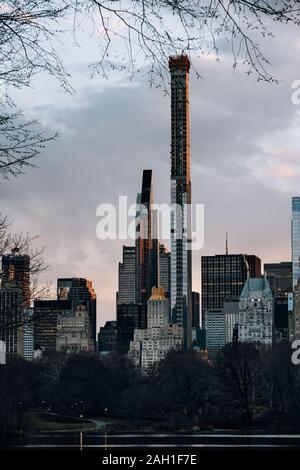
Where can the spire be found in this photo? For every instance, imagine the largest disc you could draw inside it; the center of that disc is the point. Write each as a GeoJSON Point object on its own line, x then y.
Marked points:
{"type": "Point", "coordinates": [226, 245]}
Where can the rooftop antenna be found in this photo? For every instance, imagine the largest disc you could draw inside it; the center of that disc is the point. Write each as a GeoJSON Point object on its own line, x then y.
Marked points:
{"type": "Point", "coordinates": [226, 245]}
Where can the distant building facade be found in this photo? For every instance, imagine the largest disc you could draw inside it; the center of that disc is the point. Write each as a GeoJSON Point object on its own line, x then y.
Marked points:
{"type": "Point", "coordinates": [280, 278]}
{"type": "Point", "coordinates": [129, 318]}
{"type": "Point", "coordinates": [231, 314]}
{"type": "Point", "coordinates": [223, 277]}
{"type": "Point", "coordinates": [256, 312]}
{"type": "Point", "coordinates": [126, 278]}
{"type": "Point", "coordinates": [294, 317]}
{"type": "Point", "coordinates": [181, 253]}
{"type": "Point", "coordinates": [215, 330]}
{"type": "Point", "coordinates": [2, 353]}
{"type": "Point", "coordinates": [152, 344]}
{"type": "Point", "coordinates": [281, 320]}
{"type": "Point", "coordinates": [74, 331]}
{"type": "Point", "coordinates": [12, 320]}
{"type": "Point", "coordinates": [165, 270]}
{"type": "Point", "coordinates": [46, 314]}
{"type": "Point", "coordinates": [108, 337]}
{"type": "Point", "coordinates": [28, 334]}
{"type": "Point", "coordinates": [16, 273]}
{"type": "Point", "coordinates": [195, 309]}
{"type": "Point", "coordinates": [146, 244]}
{"type": "Point", "coordinates": [80, 291]}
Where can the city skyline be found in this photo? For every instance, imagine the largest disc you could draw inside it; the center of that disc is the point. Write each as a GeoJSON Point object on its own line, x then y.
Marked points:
{"type": "Point", "coordinates": [67, 226]}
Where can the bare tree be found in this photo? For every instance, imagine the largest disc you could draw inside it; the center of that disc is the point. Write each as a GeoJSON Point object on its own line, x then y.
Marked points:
{"type": "Point", "coordinates": [238, 366]}
{"type": "Point", "coordinates": [26, 245]}
{"type": "Point", "coordinates": [133, 35]}
{"type": "Point", "coordinates": [27, 31]}
{"type": "Point", "coordinates": [151, 30]}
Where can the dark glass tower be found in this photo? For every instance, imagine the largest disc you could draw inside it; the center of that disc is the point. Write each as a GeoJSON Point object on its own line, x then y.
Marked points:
{"type": "Point", "coordinates": [223, 278]}
{"type": "Point", "coordinates": [181, 255]}
{"type": "Point", "coordinates": [147, 254]}
{"type": "Point", "coordinates": [280, 278]}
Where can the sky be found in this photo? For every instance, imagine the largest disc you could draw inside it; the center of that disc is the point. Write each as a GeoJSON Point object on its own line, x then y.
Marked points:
{"type": "Point", "coordinates": [245, 165]}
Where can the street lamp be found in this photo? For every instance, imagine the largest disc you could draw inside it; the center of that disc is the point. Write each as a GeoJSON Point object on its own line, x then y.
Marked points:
{"type": "Point", "coordinates": [105, 431]}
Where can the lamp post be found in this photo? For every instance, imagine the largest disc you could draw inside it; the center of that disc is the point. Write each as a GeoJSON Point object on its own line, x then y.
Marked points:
{"type": "Point", "coordinates": [105, 431]}
{"type": "Point", "coordinates": [81, 425]}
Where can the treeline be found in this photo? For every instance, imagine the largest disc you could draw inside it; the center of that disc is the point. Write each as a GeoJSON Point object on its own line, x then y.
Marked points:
{"type": "Point", "coordinates": [243, 387]}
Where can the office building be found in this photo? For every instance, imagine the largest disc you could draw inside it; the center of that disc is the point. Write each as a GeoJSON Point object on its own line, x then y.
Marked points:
{"type": "Point", "coordinates": [281, 320]}
{"type": "Point", "coordinates": [256, 312]}
{"type": "Point", "coordinates": [126, 287]}
{"type": "Point", "coordinates": [294, 315]}
{"type": "Point", "coordinates": [181, 254]}
{"type": "Point", "coordinates": [151, 345]}
{"type": "Point", "coordinates": [28, 334]}
{"type": "Point", "coordinates": [165, 269]}
{"type": "Point", "coordinates": [146, 245]}
{"type": "Point", "coordinates": [231, 314]}
{"type": "Point", "coordinates": [12, 320]}
{"type": "Point", "coordinates": [199, 338]}
{"type": "Point", "coordinates": [223, 277]}
{"type": "Point", "coordinates": [129, 318]}
{"type": "Point", "coordinates": [195, 309]}
{"type": "Point", "coordinates": [107, 337]}
{"type": "Point", "coordinates": [215, 330]}
{"type": "Point", "coordinates": [79, 290]}
{"type": "Point", "coordinates": [74, 331]}
{"type": "Point", "coordinates": [280, 278]}
{"type": "Point", "coordinates": [45, 319]}
{"type": "Point", "coordinates": [16, 273]}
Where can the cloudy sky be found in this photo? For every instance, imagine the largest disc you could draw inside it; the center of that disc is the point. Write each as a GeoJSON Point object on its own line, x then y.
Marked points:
{"type": "Point", "coordinates": [245, 165]}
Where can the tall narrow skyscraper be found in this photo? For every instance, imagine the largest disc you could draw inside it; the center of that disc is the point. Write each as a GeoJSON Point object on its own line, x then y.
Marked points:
{"type": "Point", "coordinates": [181, 255]}
{"type": "Point", "coordinates": [146, 246]}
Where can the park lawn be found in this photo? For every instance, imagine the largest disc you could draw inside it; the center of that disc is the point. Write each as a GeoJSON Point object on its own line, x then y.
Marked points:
{"type": "Point", "coordinates": [39, 421]}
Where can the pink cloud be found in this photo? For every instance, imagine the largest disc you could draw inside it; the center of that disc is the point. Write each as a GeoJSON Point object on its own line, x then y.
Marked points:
{"type": "Point", "coordinates": [284, 171]}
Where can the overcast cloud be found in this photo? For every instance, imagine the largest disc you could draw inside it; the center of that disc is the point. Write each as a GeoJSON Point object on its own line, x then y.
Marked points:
{"type": "Point", "coordinates": [245, 148]}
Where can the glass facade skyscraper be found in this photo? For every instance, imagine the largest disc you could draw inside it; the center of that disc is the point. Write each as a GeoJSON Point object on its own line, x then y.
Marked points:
{"type": "Point", "coordinates": [181, 255]}
{"type": "Point", "coordinates": [296, 239]}
{"type": "Point", "coordinates": [223, 278]}
{"type": "Point", "coordinates": [146, 246]}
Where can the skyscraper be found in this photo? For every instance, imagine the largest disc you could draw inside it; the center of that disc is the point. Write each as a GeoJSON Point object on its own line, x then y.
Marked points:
{"type": "Point", "coordinates": [146, 245]}
{"type": "Point", "coordinates": [165, 269]}
{"type": "Point", "coordinates": [195, 309]}
{"type": "Point", "coordinates": [126, 288]}
{"type": "Point", "coordinates": [129, 318]}
{"type": "Point", "coordinates": [28, 334]}
{"type": "Point", "coordinates": [280, 278]}
{"type": "Point", "coordinates": [296, 239]}
{"type": "Point", "coordinates": [181, 255]}
{"type": "Point", "coordinates": [223, 278]}
{"type": "Point", "coordinates": [16, 272]}
{"type": "Point", "coordinates": [79, 291]}
{"type": "Point", "coordinates": [45, 317]}
{"type": "Point", "coordinates": [107, 337]}
{"type": "Point", "coordinates": [12, 320]}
